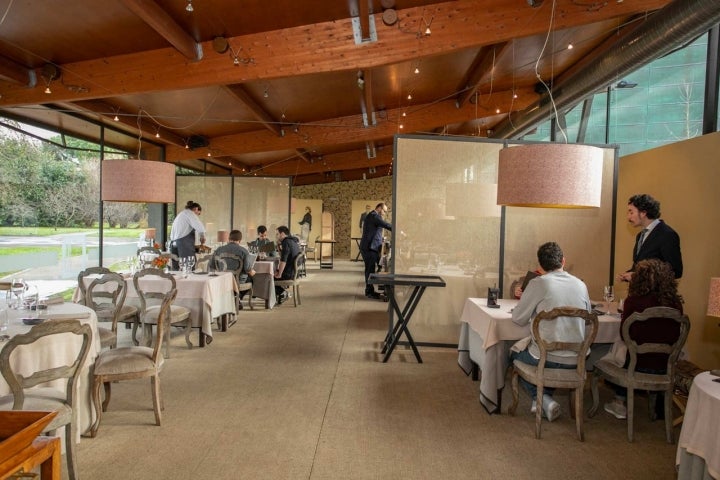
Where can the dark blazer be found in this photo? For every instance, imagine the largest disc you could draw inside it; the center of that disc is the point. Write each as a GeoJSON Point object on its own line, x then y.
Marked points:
{"type": "Point", "coordinates": [662, 243]}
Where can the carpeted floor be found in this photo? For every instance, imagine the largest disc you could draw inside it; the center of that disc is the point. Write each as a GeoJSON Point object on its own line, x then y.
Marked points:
{"type": "Point", "coordinates": [300, 393]}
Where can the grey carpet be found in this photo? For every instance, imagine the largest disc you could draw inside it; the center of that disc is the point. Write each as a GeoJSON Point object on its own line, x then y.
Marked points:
{"type": "Point", "coordinates": [300, 393]}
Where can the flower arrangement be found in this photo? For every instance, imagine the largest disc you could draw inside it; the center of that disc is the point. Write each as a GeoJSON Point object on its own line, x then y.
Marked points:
{"type": "Point", "coordinates": [160, 262]}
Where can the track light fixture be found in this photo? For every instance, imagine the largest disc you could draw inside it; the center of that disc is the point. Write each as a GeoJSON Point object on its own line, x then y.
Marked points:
{"type": "Point", "coordinates": [189, 6]}
{"type": "Point", "coordinates": [49, 73]}
{"type": "Point", "coordinates": [221, 45]}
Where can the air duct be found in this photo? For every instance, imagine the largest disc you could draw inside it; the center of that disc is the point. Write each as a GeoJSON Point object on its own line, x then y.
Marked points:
{"type": "Point", "coordinates": [678, 23]}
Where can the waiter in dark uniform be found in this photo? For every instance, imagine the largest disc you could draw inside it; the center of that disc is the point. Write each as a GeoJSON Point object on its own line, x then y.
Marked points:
{"type": "Point", "coordinates": [371, 243]}
{"type": "Point", "coordinates": [656, 238]}
{"type": "Point", "coordinates": [182, 234]}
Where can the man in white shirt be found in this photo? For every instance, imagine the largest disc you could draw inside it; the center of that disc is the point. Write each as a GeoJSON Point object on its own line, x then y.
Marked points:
{"type": "Point", "coordinates": [556, 288]}
{"type": "Point", "coordinates": [184, 228]}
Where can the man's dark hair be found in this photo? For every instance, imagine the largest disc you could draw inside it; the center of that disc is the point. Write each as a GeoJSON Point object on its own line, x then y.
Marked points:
{"type": "Point", "coordinates": [646, 203]}
{"type": "Point", "coordinates": [381, 204]}
{"type": "Point", "coordinates": [235, 235]}
{"type": "Point", "coordinates": [550, 256]}
{"type": "Point", "coordinates": [283, 229]}
{"type": "Point", "coordinates": [261, 229]}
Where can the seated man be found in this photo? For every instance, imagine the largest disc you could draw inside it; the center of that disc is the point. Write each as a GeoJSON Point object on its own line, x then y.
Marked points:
{"type": "Point", "coordinates": [233, 246]}
{"type": "Point", "coordinates": [289, 249]}
{"type": "Point", "coordinates": [556, 288]}
{"type": "Point", "coordinates": [263, 242]}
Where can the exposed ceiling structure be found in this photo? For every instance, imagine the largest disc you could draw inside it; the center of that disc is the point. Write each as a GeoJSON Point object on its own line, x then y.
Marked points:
{"type": "Point", "coordinates": [314, 90]}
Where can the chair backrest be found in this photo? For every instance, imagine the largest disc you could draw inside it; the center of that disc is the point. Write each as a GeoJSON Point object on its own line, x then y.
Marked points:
{"type": "Point", "coordinates": [580, 348]}
{"type": "Point", "coordinates": [106, 295]}
{"type": "Point", "coordinates": [220, 262]}
{"type": "Point", "coordinates": [151, 296]}
{"type": "Point", "coordinates": [672, 350]}
{"type": "Point", "coordinates": [18, 383]}
{"type": "Point", "coordinates": [147, 254]}
{"type": "Point", "coordinates": [299, 261]}
{"type": "Point", "coordinates": [163, 323]}
{"type": "Point", "coordinates": [86, 273]}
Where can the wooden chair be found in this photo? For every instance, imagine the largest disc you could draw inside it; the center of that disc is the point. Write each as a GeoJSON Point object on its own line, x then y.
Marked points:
{"type": "Point", "coordinates": [151, 301]}
{"type": "Point", "coordinates": [129, 314]}
{"type": "Point", "coordinates": [146, 256]}
{"type": "Point", "coordinates": [27, 395]}
{"type": "Point", "coordinates": [220, 263]}
{"type": "Point", "coordinates": [130, 363]}
{"type": "Point", "coordinates": [633, 380]}
{"type": "Point", "coordinates": [106, 296]}
{"type": "Point", "coordinates": [542, 377]}
{"type": "Point", "coordinates": [294, 282]}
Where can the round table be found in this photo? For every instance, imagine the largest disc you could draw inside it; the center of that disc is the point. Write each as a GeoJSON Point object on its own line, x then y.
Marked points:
{"type": "Point", "coordinates": [698, 453]}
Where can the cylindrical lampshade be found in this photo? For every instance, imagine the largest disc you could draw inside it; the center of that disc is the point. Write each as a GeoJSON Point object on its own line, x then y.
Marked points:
{"type": "Point", "coordinates": [471, 200]}
{"type": "Point", "coordinates": [149, 233]}
{"type": "Point", "coordinates": [223, 236]}
{"type": "Point", "coordinates": [551, 175]}
{"type": "Point", "coordinates": [141, 181]}
{"type": "Point", "coordinates": [713, 309]}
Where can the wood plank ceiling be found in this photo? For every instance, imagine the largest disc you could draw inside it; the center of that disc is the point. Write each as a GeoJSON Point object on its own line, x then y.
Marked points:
{"type": "Point", "coordinates": [315, 89]}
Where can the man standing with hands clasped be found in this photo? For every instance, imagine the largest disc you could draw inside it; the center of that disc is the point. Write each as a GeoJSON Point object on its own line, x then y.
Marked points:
{"type": "Point", "coordinates": [656, 239]}
{"type": "Point", "coordinates": [371, 242]}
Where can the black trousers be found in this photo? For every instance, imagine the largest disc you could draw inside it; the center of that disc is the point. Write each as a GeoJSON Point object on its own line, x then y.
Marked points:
{"type": "Point", "coordinates": [371, 259]}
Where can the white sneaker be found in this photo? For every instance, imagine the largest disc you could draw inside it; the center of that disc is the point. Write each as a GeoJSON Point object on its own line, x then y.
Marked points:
{"type": "Point", "coordinates": [617, 409]}
{"type": "Point", "coordinates": [551, 408]}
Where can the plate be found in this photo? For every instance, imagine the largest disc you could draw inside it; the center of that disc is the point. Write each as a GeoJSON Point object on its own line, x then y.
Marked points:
{"type": "Point", "coordinates": [32, 321]}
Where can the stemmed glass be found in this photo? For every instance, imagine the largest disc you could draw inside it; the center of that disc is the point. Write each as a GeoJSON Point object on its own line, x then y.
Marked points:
{"type": "Point", "coordinates": [17, 289]}
{"type": "Point", "coordinates": [608, 295]}
{"type": "Point", "coordinates": [190, 264]}
{"type": "Point", "coordinates": [182, 263]}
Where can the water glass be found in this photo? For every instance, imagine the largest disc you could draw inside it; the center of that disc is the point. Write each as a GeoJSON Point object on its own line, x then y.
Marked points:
{"type": "Point", "coordinates": [608, 295]}
{"type": "Point", "coordinates": [4, 320]}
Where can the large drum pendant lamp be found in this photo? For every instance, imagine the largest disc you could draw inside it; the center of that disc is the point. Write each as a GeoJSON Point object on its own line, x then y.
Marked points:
{"type": "Point", "coordinates": [550, 175]}
{"type": "Point", "coordinates": [139, 181]}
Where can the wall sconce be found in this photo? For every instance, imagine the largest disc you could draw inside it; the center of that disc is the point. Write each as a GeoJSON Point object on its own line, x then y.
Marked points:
{"type": "Point", "coordinates": [139, 181]}
{"type": "Point", "coordinates": [550, 175]}
{"type": "Point", "coordinates": [713, 309]}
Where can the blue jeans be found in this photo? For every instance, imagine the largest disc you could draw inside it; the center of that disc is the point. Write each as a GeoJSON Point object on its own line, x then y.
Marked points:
{"type": "Point", "coordinates": [525, 357]}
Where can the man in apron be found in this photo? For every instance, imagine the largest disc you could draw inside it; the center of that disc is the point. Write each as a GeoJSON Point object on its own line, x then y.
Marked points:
{"type": "Point", "coordinates": [182, 233]}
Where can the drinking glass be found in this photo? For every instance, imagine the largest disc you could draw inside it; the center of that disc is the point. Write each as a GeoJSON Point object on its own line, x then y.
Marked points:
{"type": "Point", "coordinates": [608, 295]}
{"type": "Point", "coordinates": [17, 289]}
{"type": "Point", "coordinates": [4, 322]}
{"type": "Point", "coordinates": [191, 263]}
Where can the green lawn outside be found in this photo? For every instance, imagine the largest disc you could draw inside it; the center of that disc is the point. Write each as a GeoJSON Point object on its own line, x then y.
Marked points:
{"type": "Point", "coordinates": [48, 231]}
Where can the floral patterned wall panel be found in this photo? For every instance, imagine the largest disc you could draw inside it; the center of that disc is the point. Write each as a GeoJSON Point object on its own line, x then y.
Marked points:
{"type": "Point", "coordinates": [338, 197]}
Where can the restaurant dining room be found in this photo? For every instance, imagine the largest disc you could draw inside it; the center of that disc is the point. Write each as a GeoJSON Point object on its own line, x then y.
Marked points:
{"type": "Point", "coordinates": [410, 239]}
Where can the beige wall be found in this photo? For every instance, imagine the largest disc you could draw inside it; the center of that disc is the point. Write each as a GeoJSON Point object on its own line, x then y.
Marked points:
{"type": "Point", "coordinates": [338, 197]}
{"type": "Point", "coordinates": [684, 178]}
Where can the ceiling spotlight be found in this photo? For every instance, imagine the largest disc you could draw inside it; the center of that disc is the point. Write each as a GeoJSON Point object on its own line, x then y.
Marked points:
{"type": "Point", "coordinates": [116, 118]}
{"type": "Point", "coordinates": [265, 93]}
{"type": "Point", "coordinates": [497, 110]}
{"type": "Point", "coordinates": [189, 6]}
{"type": "Point", "coordinates": [570, 46]}
{"type": "Point", "coordinates": [404, 114]}
{"type": "Point", "coordinates": [409, 96]}
{"type": "Point", "coordinates": [535, 3]}
{"type": "Point", "coordinates": [514, 95]}
{"type": "Point", "coordinates": [209, 154]}
{"type": "Point", "coordinates": [427, 31]}
{"type": "Point", "coordinates": [47, 89]}
{"type": "Point", "coordinates": [402, 126]}
{"type": "Point", "coordinates": [157, 134]}
{"type": "Point", "coordinates": [417, 70]}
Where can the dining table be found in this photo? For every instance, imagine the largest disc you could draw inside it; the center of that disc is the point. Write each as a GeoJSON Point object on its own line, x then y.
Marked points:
{"type": "Point", "coordinates": [48, 352]}
{"type": "Point", "coordinates": [698, 452]}
{"type": "Point", "coordinates": [264, 281]}
{"type": "Point", "coordinates": [208, 296]}
{"type": "Point", "coordinates": [486, 335]}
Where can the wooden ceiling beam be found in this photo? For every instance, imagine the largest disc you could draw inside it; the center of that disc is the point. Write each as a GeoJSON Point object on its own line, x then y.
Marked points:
{"type": "Point", "coordinates": [354, 159]}
{"type": "Point", "coordinates": [265, 119]}
{"type": "Point", "coordinates": [159, 20]}
{"type": "Point", "coordinates": [481, 68]}
{"type": "Point", "coordinates": [17, 73]}
{"type": "Point", "coordinates": [351, 129]}
{"type": "Point", "coordinates": [324, 47]}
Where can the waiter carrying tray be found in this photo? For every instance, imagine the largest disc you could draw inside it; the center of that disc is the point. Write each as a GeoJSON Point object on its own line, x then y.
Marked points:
{"type": "Point", "coordinates": [182, 234]}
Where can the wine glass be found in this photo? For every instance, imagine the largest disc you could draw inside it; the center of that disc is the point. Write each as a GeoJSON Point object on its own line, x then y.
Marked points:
{"type": "Point", "coordinates": [608, 295]}
{"type": "Point", "coordinates": [17, 289]}
{"type": "Point", "coordinates": [190, 264]}
{"type": "Point", "coordinates": [182, 264]}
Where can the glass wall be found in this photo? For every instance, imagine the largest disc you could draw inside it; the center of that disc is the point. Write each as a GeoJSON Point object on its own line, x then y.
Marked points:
{"type": "Point", "coordinates": [657, 104]}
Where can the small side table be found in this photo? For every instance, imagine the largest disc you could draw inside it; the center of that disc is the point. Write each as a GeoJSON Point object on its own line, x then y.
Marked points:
{"type": "Point", "coordinates": [357, 242]}
{"type": "Point", "coordinates": [44, 451]}
{"type": "Point", "coordinates": [325, 263]}
{"type": "Point", "coordinates": [390, 281]}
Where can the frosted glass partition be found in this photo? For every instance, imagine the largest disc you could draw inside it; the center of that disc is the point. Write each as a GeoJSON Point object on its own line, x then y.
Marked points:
{"type": "Point", "coordinates": [214, 194]}
{"type": "Point", "coordinates": [260, 201]}
{"type": "Point", "coordinates": [447, 222]}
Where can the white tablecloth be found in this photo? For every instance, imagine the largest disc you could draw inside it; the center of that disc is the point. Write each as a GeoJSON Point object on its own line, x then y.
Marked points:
{"type": "Point", "coordinates": [486, 335]}
{"type": "Point", "coordinates": [699, 439]}
{"type": "Point", "coordinates": [53, 351]}
{"type": "Point", "coordinates": [206, 296]}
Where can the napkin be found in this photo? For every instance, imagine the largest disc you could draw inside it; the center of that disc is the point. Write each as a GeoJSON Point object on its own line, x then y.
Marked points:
{"type": "Point", "coordinates": [68, 316]}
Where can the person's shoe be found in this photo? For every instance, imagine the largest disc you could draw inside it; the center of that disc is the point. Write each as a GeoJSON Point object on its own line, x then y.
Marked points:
{"type": "Point", "coordinates": [617, 409]}
{"type": "Point", "coordinates": [374, 295]}
{"type": "Point", "coordinates": [282, 297]}
{"type": "Point", "coordinates": [551, 408]}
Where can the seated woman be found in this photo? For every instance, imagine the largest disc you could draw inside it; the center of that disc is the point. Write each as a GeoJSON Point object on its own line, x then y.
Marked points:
{"type": "Point", "coordinates": [653, 284]}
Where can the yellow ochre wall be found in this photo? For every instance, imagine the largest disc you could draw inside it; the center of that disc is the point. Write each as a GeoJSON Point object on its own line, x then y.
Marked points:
{"type": "Point", "coordinates": [685, 178]}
